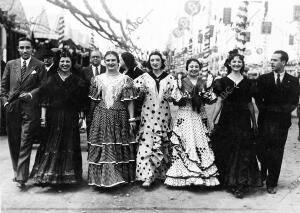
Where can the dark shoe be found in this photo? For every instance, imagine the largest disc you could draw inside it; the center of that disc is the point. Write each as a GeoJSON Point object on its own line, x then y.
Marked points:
{"type": "Point", "coordinates": [20, 184]}
{"type": "Point", "coordinates": [272, 190]}
{"type": "Point", "coordinates": [239, 194]}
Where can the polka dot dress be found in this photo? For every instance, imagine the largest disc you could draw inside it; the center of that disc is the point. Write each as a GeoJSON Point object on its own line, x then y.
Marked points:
{"type": "Point", "coordinates": [153, 157]}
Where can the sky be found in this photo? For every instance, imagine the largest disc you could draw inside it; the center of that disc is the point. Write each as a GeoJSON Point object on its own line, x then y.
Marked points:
{"type": "Point", "coordinates": [156, 30]}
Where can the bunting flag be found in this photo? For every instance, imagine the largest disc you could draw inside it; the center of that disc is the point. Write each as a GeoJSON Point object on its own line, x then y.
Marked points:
{"type": "Point", "coordinates": [61, 29]}
{"type": "Point", "coordinates": [92, 42]}
{"type": "Point", "coordinates": [241, 26]}
{"type": "Point", "coordinates": [206, 51]}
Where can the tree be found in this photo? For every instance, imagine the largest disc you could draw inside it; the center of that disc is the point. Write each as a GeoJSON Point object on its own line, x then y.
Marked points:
{"type": "Point", "coordinates": [96, 21]}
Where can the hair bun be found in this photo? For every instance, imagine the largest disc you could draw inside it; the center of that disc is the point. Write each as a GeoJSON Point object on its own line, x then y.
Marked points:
{"type": "Point", "coordinates": [234, 51]}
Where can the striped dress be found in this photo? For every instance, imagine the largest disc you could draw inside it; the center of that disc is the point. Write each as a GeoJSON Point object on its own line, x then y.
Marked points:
{"type": "Point", "coordinates": [111, 154]}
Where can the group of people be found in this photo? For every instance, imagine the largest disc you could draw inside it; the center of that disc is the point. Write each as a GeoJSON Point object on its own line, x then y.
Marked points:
{"type": "Point", "coordinates": [130, 131]}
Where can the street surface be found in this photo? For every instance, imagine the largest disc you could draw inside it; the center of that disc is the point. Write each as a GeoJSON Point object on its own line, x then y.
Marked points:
{"type": "Point", "coordinates": [160, 198]}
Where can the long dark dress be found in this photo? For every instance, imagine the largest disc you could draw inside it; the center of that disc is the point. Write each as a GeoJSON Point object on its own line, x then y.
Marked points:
{"type": "Point", "coordinates": [58, 160]}
{"type": "Point", "coordinates": [232, 140]}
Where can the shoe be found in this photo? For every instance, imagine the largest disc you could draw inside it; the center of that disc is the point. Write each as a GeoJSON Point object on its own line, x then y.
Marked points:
{"type": "Point", "coordinates": [272, 190]}
{"type": "Point", "coordinates": [239, 194]}
{"type": "Point", "coordinates": [147, 183]}
{"type": "Point", "coordinates": [20, 184]}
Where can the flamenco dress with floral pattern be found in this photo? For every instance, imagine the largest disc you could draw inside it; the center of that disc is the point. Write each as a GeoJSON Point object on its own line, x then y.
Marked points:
{"type": "Point", "coordinates": [153, 157]}
{"type": "Point", "coordinates": [192, 157]}
{"type": "Point", "coordinates": [112, 151]}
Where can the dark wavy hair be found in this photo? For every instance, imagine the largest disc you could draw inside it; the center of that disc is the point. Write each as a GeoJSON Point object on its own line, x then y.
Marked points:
{"type": "Point", "coordinates": [161, 58]}
{"type": "Point", "coordinates": [190, 61]}
{"type": "Point", "coordinates": [64, 54]}
{"type": "Point", "coordinates": [129, 60]}
{"type": "Point", "coordinates": [232, 54]}
{"type": "Point", "coordinates": [112, 53]}
{"type": "Point", "coordinates": [283, 55]}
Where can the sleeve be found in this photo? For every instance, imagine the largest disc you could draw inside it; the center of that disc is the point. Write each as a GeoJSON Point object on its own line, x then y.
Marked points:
{"type": "Point", "coordinates": [253, 88]}
{"type": "Point", "coordinates": [128, 91]}
{"type": "Point", "coordinates": [44, 93]}
{"type": "Point", "coordinates": [217, 87]}
{"type": "Point", "coordinates": [95, 91]}
{"type": "Point", "coordinates": [5, 84]}
{"type": "Point", "coordinates": [176, 93]}
{"type": "Point", "coordinates": [140, 87]}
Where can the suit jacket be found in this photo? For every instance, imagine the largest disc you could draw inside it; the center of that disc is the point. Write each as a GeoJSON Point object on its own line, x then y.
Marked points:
{"type": "Point", "coordinates": [52, 70]}
{"type": "Point", "coordinates": [87, 73]}
{"type": "Point", "coordinates": [12, 84]}
{"type": "Point", "coordinates": [277, 102]}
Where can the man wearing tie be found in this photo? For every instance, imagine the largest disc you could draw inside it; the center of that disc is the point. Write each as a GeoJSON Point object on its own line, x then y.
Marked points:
{"type": "Point", "coordinates": [277, 97]}
{"type": "Point", "coordinates": [20, 86]}
{"type": "Point", "coordinates": [89, 72]}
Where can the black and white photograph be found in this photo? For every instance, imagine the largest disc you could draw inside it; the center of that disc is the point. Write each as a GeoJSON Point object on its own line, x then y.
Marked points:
{"type": "Point", "coordinates": [141, 106]}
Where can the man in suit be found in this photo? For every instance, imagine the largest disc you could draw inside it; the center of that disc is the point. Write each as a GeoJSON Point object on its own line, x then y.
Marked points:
{"type": "Point", "coordinates": [88, 73]}
{"type": "Point", "coordinates": [20, 87]}
{"type": "Point", "coordinates": [277, 97]}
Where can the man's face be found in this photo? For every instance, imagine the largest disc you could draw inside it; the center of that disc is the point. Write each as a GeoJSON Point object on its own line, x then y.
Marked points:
{"type": "Point", "coordinates": [95, 58]}
{"type": "Point", "coordinates": [276, 64]}
{"type": "Point", "coordinates": [25, 49]}
{"type": "Point", "coordinates": [48, 61]}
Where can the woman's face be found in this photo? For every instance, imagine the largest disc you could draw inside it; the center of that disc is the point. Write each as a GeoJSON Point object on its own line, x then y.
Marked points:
{"type": "Point", "coordinates": [193, 69]}
{"type": "Point", "coordinates": [236, 64]}
{"type": "Point", "coordinates": [65, 64]}
{"type": "Point", "coordinates": [155, 62]}
{"type": "Point", "coordinates": [111, 62]}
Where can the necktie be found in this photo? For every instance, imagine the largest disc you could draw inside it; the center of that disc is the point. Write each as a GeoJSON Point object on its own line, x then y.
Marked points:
{"type": "Point", "coordinates": [278, 79]}
{"type": "Point", "coordinates": [23, 70]}
{"type": "Point", "coordinates": [96, 71]}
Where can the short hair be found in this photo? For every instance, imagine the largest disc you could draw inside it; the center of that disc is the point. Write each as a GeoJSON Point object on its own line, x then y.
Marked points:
{"type": "Point", "coordinates": [129, 60]}
{"type": "Point", "coordinates": [231, 56]}
{"type": "Point", "coordinates": [190, 61]}
{"type": "Point", "coordinates": [112, 53]}
{"type": "Point", "coordinates": [97, 51]}
{"type": "Point", "coordinates": [284, 56]}
{"type": "Point", "coordinates": [161, 58]}
{"type": "Point", "coordinates": [24, 39]}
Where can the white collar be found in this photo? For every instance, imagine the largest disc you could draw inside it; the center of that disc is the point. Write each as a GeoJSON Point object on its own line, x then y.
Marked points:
{"type": "Point", "coordinates": [27, 61]}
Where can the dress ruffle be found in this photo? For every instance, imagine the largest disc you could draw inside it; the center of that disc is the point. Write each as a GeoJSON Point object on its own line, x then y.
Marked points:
{"type": "Point", "coordinates": [192, 158]}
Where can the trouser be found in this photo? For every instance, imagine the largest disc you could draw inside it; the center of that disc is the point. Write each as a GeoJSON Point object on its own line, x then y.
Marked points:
{"type": "Point", "coordinates": [273, 135]}
{"type": "Point", "coordinates": [21, 125]}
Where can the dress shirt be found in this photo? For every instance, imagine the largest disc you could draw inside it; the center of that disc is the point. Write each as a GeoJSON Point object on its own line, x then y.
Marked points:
{"type": "Point", "coordinates": [281, 76]}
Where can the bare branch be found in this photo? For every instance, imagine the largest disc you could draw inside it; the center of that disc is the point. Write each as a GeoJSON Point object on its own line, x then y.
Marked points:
{"type": "Point", "coordinates": [92, 20]}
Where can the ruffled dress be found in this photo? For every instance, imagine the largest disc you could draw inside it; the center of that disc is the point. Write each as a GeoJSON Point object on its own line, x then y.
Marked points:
{"type": "Point", "coordinates": [192, 156]}
{"type": "Point", "coordinates": [58, 159]}
{"type": "Point", "coordinates": [153, 157]}
{"type": "Point", "coordinates": [112, 151]}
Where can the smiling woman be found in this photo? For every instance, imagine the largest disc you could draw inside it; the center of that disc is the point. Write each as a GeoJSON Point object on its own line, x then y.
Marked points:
{"type": "Point", "coordinates": [112, 148]}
